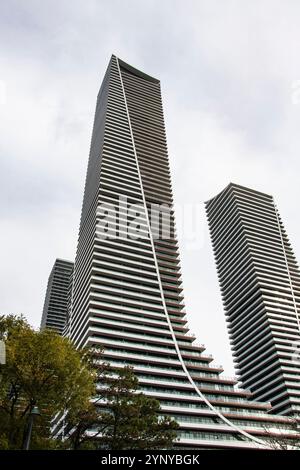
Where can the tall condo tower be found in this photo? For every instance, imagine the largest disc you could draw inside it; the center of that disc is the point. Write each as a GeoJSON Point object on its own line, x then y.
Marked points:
{"type": "Point", "coordinates": [127, 293]}
{"type": "Point", "coordinates": [260, 284]}
{"type": "Point", "coordinates": [57, 296]}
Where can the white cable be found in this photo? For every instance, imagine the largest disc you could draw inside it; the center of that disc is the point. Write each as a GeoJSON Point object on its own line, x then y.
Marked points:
{"type": "Point", "coordinates": [217, 412]}
{"type": "Point", "coordinates": [287, 267]}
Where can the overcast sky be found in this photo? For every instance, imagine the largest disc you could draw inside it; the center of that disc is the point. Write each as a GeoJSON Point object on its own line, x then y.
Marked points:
{"type": "Point", "coordinates": [230, 74]}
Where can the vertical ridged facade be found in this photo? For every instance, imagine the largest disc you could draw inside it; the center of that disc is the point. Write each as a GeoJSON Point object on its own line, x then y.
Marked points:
{"type": "Point", "coordinates": [57, 296]}
{"type": "Point", "coordinates": [127, 293]}
{"type": "Point", "coordinates": [260, 284]}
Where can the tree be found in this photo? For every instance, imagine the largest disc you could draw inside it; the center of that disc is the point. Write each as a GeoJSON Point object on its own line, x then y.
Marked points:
{"type": "Point", "coordinates": [280, 438]}
{"type": "Point", "coordinates": [129, 420]}
{"type": "Point", "coordinates": [42, 369]}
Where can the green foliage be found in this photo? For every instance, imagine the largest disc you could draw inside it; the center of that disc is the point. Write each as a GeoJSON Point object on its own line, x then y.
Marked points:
{"type": "Point", "coordinates": [42, 369]}
{"type": "Point", "coordinates": [130, 421]}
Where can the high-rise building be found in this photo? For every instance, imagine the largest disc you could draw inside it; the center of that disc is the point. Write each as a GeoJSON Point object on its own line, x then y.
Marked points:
{"type": "Point", "coordinates": [57, 296]}
{"type": "Point", "coordinates": [127, 293]}
{"type": "Point", "coordinates": [260, 284]}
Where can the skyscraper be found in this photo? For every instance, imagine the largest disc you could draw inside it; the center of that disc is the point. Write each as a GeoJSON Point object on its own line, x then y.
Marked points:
{"type": "Point", "coordinates": [127, 294]}
{"type": "Point", "coordinates": [260, 285]}
{"type": "Point", "coordinates": [57, 296]}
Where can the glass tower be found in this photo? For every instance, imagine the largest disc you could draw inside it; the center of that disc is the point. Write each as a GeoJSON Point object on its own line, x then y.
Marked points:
{"type": "Point", "coordinates": [127, 294]}
{"type": "Point", "coordinates": [57, 296]}
{"type": "Point", "coordinates": [260, 285]}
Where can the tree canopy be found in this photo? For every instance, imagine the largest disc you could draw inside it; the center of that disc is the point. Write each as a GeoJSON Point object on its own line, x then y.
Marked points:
{"type": "Point", "coordinates": [125, 418]}
{"type": "Point", "coordinates": [42, 369]}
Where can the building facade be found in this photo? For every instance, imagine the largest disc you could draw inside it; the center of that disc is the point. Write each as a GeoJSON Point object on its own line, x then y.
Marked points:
{"type": "Point", "coordinates": [260, 284]}
{"type": "Point", "coordinates": [127, 293]}
{"type": "Point", "coordinates": [57, 297]}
